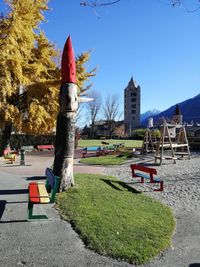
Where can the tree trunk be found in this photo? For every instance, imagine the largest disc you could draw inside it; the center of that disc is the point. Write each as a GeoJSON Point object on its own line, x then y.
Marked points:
{"type": "Point", "coordinates": [92, 131]}
{"type": "Point", "coordinates": [6, 137]}
{"type": "Point", "coordinates": [65, 136]}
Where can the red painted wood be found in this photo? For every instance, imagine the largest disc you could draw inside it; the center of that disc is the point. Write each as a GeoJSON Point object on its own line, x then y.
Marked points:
{"type": "Point", "coordinates": [146, 170]}
{"type": "Point", "coordinates": [68, 65]}
{"type": "Point", "coordinates": [45, 147]}
{"type": "Point", "coordinates": [33, 193]}
{"type": "Point", "coordinates": [6, 151]}
{"type": "Point", "coordinates": [143, 169]}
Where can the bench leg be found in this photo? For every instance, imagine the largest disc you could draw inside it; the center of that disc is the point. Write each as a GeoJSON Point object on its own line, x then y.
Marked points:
{"type": "Point", "coordinates": [161, 187]}
{"type": "Point", "coordinates": [32, 217]}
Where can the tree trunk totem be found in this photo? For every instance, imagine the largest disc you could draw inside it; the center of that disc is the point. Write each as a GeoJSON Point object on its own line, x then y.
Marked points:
{"type": "Point", "coordinates": [65, 131]}
{"type": "Point", "coordinates": [65, 136]}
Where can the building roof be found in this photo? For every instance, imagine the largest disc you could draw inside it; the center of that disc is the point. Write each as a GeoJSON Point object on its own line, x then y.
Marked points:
{"type": "Point", "coordinates": [132, 83]}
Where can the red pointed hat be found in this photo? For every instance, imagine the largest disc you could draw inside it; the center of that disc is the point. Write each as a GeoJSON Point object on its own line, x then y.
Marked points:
{"type": "Point", "coordinates": [68, 65]}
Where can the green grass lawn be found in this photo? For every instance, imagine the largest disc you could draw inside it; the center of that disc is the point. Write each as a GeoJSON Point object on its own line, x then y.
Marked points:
{"type": "Point", "coordinates": [104, 160]}
{"type": "Point", "coordinates": [115, 220]}
{"type": "Point", "coordinates": [94, 142]}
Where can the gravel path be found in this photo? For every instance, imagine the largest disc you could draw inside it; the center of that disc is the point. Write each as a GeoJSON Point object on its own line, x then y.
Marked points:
{"type": "Point", "coordinates": [182, 194]}
{"type": "Point", "coordinates": [44, 244]}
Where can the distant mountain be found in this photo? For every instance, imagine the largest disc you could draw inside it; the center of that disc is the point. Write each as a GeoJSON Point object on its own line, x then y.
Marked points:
{"type": "Point", "coordinates": [149, 113]}
{"type": "Point", "coordinates": [190, 109]}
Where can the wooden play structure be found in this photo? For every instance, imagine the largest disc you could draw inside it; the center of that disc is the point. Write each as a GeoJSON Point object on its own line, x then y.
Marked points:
{"type": "Point", "coordinates": [173, 143]}
{"type": "Point", "coordinates": [150, 141]}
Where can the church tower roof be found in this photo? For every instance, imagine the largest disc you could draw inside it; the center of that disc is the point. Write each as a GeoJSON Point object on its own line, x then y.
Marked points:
{"type": "Point", "coordinates": [132, 83]}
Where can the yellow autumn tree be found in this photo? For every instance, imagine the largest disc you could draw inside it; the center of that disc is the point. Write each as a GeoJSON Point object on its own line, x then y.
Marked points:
{"type": "Point", "coordinates": [42, 94]}
{"type": "Point", "coordinates": [30, 77]}
{"type": "Point", "coordinates": [82, 75]}
{"type": "Point", "coordinates": [17, 42]}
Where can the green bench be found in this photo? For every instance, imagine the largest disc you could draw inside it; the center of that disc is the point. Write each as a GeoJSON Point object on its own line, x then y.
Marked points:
{"type": "Point", "coordinates": [98, 149]}
{"type": "Point", "coordinates": [42, 193]}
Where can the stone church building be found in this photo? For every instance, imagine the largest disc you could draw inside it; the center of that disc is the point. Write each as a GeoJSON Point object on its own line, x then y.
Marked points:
{"type": "Point", "coordinates": [131, 107]}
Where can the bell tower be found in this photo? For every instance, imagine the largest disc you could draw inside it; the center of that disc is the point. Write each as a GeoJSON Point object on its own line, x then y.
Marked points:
{"type": "Point", "coordinates": [131, 106]}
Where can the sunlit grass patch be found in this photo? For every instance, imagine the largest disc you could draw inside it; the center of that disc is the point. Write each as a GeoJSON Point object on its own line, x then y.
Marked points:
{"type": "Point", "coordinates": [115, 220]}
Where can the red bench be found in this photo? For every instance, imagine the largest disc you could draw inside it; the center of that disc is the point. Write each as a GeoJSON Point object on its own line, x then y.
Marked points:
{"type": "Point", "coordinates": [45, 147]}
{"type": "Point", "coordinates": [39, 194]}
{"type": "Point", "coordinates": [144, 172]}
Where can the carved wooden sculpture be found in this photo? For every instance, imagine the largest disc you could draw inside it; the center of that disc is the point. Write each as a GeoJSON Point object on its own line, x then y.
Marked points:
{"type": "Point", "coordinates": [65, 131]}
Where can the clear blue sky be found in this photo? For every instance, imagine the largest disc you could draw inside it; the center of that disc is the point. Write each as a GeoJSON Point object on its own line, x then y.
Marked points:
{"type": "Point", "coordinates": [155, 43]}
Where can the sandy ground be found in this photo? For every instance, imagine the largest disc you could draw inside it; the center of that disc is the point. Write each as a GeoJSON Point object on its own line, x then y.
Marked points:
{"type": "Point", "coordinates": [182, 194]}
{"type": "Point", "coordinates": [54, 243]}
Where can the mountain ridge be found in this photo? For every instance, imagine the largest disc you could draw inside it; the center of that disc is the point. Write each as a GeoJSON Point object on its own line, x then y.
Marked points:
{"type": "Point", "coordinates": [149, 113]}
{"type": "Point", "coordinates": [190, 109]}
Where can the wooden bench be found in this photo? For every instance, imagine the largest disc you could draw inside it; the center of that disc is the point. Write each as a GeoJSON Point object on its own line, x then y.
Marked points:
{"type": "Point", "coordinates": [110, 147]}
{"type": "Point", "coordinates": [42, 193]}
{"type": "Point", "coordinates": [45, 147]}
{"type": "Point", "coordinates": [9, 155]}
{"type": "Point", "coordinates": [98, 149]}
{"type": "Point", "coordinates": [28, 148]}
{"type": "Point", "coordinates": [118, 145]}
{"type": "Point", "coordinates": [144, 172]}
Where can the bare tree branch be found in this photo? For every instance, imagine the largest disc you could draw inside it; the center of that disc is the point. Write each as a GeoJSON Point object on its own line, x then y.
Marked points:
{"type": "Point", "coordinates": [80, 115]}
{"type": "Point", "coordinates": [93, 109]}
{"type": "Point", "coordinates": [111, 111]}
{"type": "Point", "coordinates": [97, 3]}
{"type": "Point", "coordinates": [189, 7]}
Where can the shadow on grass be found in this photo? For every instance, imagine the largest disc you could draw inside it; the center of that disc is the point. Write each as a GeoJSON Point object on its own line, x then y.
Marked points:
{"type": "Point", "coordinates": [117, 184]}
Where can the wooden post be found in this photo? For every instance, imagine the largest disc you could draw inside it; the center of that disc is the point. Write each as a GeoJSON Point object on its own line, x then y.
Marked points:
{"type": "Point", "coordinates": [65, 131]}
{"type": "Point", "coordinates": [65, 136]}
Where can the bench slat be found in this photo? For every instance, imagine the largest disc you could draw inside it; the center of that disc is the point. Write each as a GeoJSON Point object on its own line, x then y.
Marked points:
{"type": "Point", "coordinates": [41, 147]}
{"type": "Point", "coordinates": [145, 176]}
{"type": "Point", "coordinates": [95, 148]}
{"type": "Point", "coordinates": [146, 173]}
{"type": "Point", "coordinates": [38, 194]}
{"type": "Point", "coordinates": [33, 193]}
{"type": "Point", "coordinates": [44, 197]}
{"type": "Point", "coordinates": [51, 177]}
